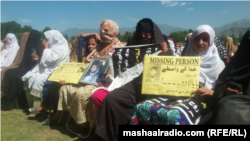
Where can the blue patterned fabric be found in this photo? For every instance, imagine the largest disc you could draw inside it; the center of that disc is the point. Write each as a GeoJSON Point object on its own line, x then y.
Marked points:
{"type": "Point", "coordinates": [161, 111]}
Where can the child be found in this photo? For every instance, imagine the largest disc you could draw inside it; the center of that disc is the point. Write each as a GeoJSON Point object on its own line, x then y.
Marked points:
{"type": "Point", "coordinates": [100, 92]}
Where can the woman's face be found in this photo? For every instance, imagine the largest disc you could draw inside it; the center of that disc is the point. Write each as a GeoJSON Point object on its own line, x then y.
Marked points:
{"type": "Point", "coordinates": [201, 42]}
{"type": "Point", "coordinates": [164, 46]}
{"type": "Point", "coordinates": [91, 44]}
{"type": "Point", "coordinates": [177, 47]}
{"type": "Point", "coordinates": [144, 37]}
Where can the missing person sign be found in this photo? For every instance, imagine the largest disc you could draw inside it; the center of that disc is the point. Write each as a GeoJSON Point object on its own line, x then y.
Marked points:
{"type": "Point", "coordinates": [170, 75]}
{"type": "Point", "coordinates": [71, 72]}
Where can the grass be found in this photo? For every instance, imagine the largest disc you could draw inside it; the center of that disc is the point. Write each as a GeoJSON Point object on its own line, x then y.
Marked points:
{"type": "Point", "coordinates": [15, 125]}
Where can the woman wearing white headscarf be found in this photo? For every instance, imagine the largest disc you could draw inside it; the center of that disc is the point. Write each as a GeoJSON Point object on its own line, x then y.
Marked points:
{"type": "Point", "coordinates": [211, 64]}
{"type": "Point", "coordinates": [55, 52]}
{"type": "Point", "coordinates": [170, 110]}
{"type": "Point", "coordinates": [8, 53]}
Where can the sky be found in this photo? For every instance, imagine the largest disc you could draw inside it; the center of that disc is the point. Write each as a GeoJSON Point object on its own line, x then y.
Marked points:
{"type": "Point", "coordinates": [62, 15]}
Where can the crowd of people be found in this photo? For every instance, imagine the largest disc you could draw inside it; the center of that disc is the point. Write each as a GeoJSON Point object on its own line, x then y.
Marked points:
{"type": "Point", "coordinates": [223, 98]}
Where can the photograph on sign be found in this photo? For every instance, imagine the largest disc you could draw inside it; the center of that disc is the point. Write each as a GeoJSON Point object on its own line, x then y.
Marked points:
{"type": "Point", "coordinates": [96, 71]}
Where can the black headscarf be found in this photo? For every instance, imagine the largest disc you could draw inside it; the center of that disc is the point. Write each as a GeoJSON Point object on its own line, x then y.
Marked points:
{"type": "Point", "coordinates": [236, 75]}
{"type": "Point", "coordinates": [148, 26]}
{"type": "Point", "coordinates": [33, 43]}
{"type": "Point", "coordinates": [237, 69]}
{"type": "Point", "coordinates": [12, 84]}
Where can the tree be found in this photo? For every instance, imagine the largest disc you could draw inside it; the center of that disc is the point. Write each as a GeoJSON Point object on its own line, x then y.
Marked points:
{"type": "Point", "coordinates": [234, 37]}
{"type": "Point", "coordinates": [179, 36]}
{"type": "Point", "coordinates": [222, 38]}
{"type": "Point", "coordinates": [119, 36]}
{"type": "Point", "coordinates": [44, 30]}
{"type": "Point", "coordinates": [72, 38]}
{"type": "Point", "coordinates": [190, 31]}
{"type": "Point", "coordinates": [27, 28]}
{"type": "Point", "coordinates": [10, 27]}
{"type": "Point", "coordinates": [66, 37]}
{"type": "Point", "coordinates": [126, 36]}
{"type": "Point", "coordinates": [240, 36]}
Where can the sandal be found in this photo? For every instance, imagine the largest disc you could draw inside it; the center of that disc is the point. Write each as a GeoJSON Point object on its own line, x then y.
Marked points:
{"type": "Point", "coordinates": [34, 111]}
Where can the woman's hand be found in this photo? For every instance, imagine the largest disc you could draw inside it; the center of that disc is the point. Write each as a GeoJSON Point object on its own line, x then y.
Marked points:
{"type": "Point", "coordinates": [5, 40]}
{"type": "Point", "coordinates": [111, 50]}
{"type": "Point", "coordinates": [203, 91]}
{"type": "Point", "coordinates": [108, 76]}
{"type": "Point", "coordinates": [45, 44]}
{"type": "Point", "coordinates": [230, 91]}
{"type": "Point", "coordinates": [35, 57]}
{"type": "Point", "coordinates": [97, 36]}
{"type": "Point", "coordinates": [62, 82]}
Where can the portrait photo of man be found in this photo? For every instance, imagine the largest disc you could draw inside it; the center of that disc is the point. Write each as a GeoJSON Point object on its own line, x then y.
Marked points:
{"type": "Point", "coordinates": [153, 73]}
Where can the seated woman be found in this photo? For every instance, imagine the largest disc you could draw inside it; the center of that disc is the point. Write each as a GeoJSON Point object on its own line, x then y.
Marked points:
{"type": "Point", "coordinates": [50, 88]}
{"type": "Point", "coordinates": [117, 105]}
{"type": "Point", "coordinates": [76, 98]}
{"type": "Point", "coordinates": [232, 92]}
{"type": "Point", "coordinates": [19, 55]}
{"type": "Point", "coordinates": [8, 53]}
{"type": "Point", "coordinates": [55, 52]}
{"type": "Point", "coordinates": [12, 84]}
{"type": "Point", "coordinates": [98, 96]}
{"type": "Point", "coordinates": [169, 110]}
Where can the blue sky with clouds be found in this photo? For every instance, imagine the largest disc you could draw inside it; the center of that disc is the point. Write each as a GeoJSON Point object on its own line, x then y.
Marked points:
{"type": "Point", "coordinates": [62, 15]}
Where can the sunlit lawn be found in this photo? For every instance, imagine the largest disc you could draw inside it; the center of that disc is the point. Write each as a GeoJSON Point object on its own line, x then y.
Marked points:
{"type": "Point", "coordinates": [16, 126]}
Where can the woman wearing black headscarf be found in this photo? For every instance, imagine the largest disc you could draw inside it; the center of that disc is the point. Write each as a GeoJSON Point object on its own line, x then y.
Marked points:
{"type": "Point", "coordinates": [232, 92]}
{"type": "Point", "coordinates": [117, 105]}
{"type": "Point", "coordinates": [12, 85]}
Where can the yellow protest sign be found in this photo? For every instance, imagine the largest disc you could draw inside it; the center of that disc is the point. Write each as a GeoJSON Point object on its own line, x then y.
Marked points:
{"type": "Point", "coordinates": [170, 75]}
{"type": "Point", "coordinates": [71, 72]}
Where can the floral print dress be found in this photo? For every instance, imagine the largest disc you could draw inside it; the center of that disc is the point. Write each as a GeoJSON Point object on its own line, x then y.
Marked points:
{"type": "Point", "coordinates": [162, 111]}
{"type": "Point", "coordinates": [76, 98]}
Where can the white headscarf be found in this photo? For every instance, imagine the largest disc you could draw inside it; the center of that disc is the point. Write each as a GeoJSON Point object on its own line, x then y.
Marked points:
{"type": "Point", "coordinates": [211, 64]}
{"type": "Point", "coordinates": [9, 53]}
{"type": "Point", "coordinates": [57, 44]}
{"type": "Point", "coordinates": [171, 44]}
